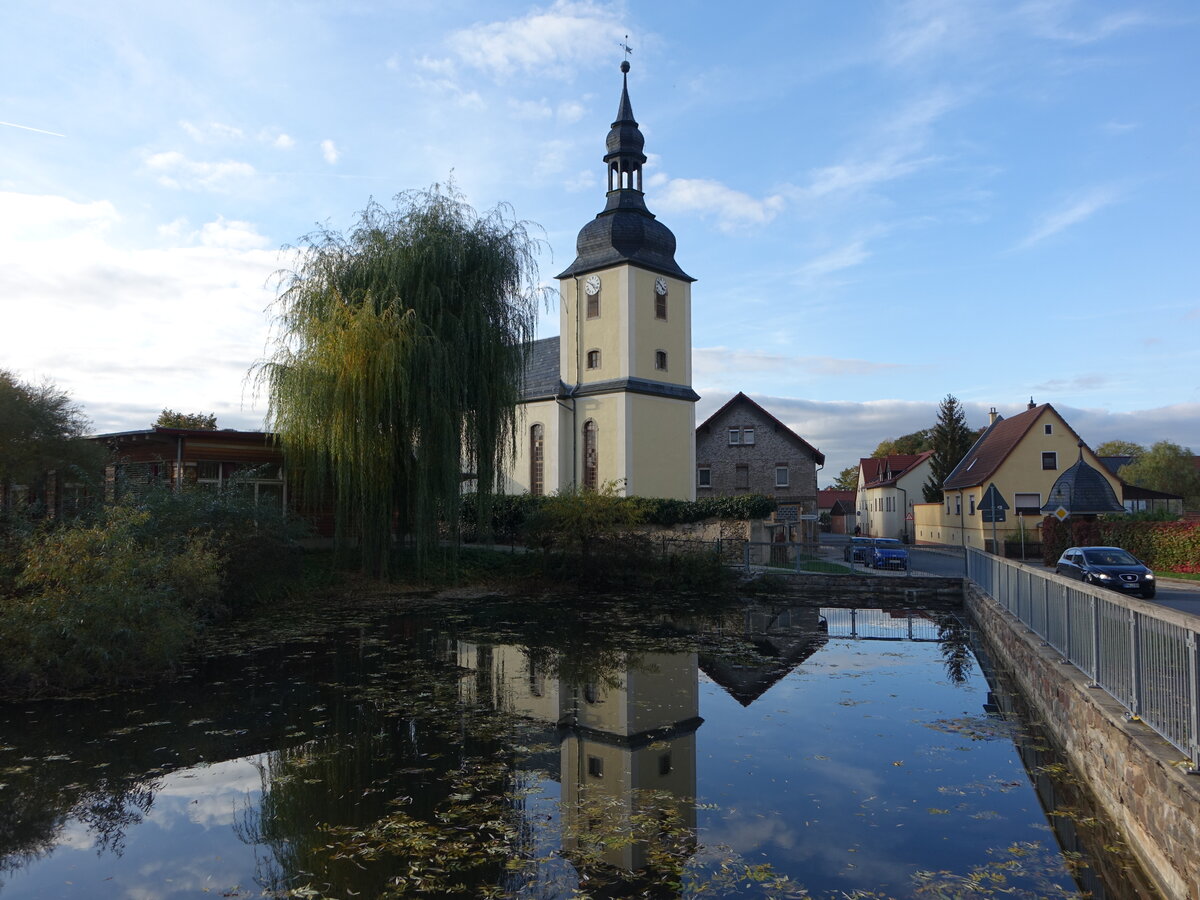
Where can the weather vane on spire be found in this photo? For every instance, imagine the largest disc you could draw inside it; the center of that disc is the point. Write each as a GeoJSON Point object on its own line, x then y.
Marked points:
{"type": "Point", "coordinates": [624, 45]}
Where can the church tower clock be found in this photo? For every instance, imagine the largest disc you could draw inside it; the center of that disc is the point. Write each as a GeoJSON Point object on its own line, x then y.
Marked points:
{"type": "Point", "coordinates": [625, 348]}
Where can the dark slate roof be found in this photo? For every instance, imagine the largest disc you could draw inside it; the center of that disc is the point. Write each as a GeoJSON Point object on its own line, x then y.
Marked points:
{"type": "Point", "coordinates": [540, 380]}
{"type": "Point", "coordinates": [1114, 463]}
{"type": "Point", "coordinates": [625, 231]}
{"type": "Point", "coordinates": [1082, 491]}
{"type": "Point", "coordinates": [741, 399]}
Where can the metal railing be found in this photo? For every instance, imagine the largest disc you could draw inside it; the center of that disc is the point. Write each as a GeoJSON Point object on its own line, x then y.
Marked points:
{"type": "Point", "coordinates": [1147, 657]}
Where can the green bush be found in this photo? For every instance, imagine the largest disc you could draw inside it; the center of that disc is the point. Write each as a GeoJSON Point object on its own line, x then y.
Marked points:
{"type": "Point", "coordinates": [511, 513]}
{"type": "Point", "coordinates": [120, 596]}
{"type": "Point", "coordinates": [95, 603]}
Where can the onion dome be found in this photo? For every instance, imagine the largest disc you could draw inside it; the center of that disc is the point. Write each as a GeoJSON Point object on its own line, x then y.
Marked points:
{"type": "Point", "coordinates": [1082, 491]}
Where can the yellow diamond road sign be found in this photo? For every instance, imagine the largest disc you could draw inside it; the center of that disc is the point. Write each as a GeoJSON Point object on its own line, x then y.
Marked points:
{"type": "Point", "coordinates": [1061, 513]}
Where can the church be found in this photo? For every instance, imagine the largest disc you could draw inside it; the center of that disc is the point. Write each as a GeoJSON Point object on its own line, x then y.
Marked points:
{"type": "Point", "coordinates": [610, 399]}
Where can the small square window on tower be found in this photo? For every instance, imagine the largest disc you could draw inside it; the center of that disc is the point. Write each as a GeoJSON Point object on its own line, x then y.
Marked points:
{"type": "Point", "coordinates": [660, 360]}
{"type": "Point", "coordinates": [595, 767]}
{"type": "Point", "coordinates": [593, 359]}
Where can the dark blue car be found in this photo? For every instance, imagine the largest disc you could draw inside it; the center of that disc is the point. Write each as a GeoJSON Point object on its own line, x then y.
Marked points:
{"type": "Point", "coordinates": [888, 553]}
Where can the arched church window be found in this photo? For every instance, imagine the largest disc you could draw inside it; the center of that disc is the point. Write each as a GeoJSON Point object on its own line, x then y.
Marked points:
{"type": "Point", "coordinates": [537, 460]}
{"type": "Point", "coordinates": [660, 360]}
{"type": "Point", "coordinates": [591, 456]}
{"type": "Point", "coordinates": [593, 359]}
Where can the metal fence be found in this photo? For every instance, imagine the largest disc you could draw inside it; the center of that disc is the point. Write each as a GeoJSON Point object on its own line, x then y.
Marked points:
{"type": "Point", "coordinates": [1147, 657]}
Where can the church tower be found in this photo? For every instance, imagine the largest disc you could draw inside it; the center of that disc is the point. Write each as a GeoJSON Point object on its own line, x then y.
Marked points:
{"type": "Point", "coordinates": [625, 348]}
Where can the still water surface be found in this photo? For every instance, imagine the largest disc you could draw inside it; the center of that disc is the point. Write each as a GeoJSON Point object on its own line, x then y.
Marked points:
{"type": "Point", "coordinates": [595, 749]}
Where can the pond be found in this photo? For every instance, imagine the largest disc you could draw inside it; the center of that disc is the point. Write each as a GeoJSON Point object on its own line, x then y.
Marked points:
{"type": "Point", "coordinates": [556, 749]}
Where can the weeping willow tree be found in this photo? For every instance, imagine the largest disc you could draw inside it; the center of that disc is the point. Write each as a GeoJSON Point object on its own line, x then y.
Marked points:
{"type": "Point", "coordinates": [399, 350]}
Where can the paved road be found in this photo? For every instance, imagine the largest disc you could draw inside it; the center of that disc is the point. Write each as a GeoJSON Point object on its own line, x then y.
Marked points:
{"type": "Point", "coordinates": [1173, 593]}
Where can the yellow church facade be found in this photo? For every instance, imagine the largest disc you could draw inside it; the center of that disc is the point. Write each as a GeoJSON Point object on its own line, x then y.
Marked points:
{"type": "Point", "coordinates": [610, 399]}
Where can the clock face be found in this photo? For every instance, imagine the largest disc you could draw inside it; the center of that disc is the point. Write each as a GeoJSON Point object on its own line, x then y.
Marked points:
{"type": "Point", "coordinates": [592, 285]}
{"type": "Point", "coordinates": [660, 286]}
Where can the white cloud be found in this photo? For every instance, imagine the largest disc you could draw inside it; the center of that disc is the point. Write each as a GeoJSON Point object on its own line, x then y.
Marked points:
{"type": "Point", "coordinates": [1049, 19]}
{"type": "Point", "coordinates": [233, 235]}
{"type": "Point", "coordinates": [925, 28]}
{"type": "Point", "coordinates": [530, 109]}
{"type": "Point", "coordinates": [706, 197]}
{"type": "Point", "coordinates": [329, 151]}
{"type": "Point", "coordinates": [1073, 385]}
{"type": "Point", "coordinates": [1072, 212]}
{"type": "Point", "coordinates": [570, 111]}
{"type": "Point", "coordinates": [211, 132]}
{"type": "Point", "coordinates": [551, 41]}
{"type": "Point", "coordinates": [133, 329]}
{"type": "Point", "coordinates": [714, 361]}
{"type": "Point", "coordinates": [284, 141]}
{"type": "Point", "coordinates": [844, 257]}
{"type": "Point", "coordinates": [174, 170]}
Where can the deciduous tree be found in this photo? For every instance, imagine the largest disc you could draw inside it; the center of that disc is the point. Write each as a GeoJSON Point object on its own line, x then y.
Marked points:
{"type": "Point", "coordinates": [401, 344]}
{"type": "Point", "coordinates": [169, 418]}
{"type": "Point", "coordinates": [41, 429]}
{"type": "Point", "coordinates": [1166, 467]}
{"type": "Point", "coordinates": [847, 479]}
{"type": "Point", "coordinates": [906, 444]}
{"type": "Point", "coordinates": [1120, 448]}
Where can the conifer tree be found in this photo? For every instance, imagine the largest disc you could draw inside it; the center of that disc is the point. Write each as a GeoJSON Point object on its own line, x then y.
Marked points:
{"type": "Point", "coordinates": [951, 439]}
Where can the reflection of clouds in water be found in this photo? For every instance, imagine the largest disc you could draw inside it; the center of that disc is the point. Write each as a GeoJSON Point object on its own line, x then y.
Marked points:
{"type": "Point", "coordinates": [210, 795]}
{"type": "Point", "coordinates": [77, 836]}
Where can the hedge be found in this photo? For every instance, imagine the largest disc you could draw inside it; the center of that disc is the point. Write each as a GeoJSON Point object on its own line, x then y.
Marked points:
{"type": "Point", "coordinates": [1168, 546]}
{"type": "Point", "coordinates": [510, 511]}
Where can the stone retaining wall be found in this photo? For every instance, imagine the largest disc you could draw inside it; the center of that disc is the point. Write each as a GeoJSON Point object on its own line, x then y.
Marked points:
{"type": "Point", "coordinates": [1139, 779]}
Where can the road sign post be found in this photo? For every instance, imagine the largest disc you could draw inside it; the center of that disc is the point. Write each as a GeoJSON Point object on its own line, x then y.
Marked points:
{"type": "Point", "coordinates": [992, 508]}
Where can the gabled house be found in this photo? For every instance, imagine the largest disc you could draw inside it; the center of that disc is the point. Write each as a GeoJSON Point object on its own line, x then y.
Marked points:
{"type": "Point", "coordinates": [1023, 456]}
{"type": "Point", "coordinates": [743, 449]}
{"type": "Point", "coordinates": [836, 510]}
{"type": "Point", "coordinates": [888, 489]}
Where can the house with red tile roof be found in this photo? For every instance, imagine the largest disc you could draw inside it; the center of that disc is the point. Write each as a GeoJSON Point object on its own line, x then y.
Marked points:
{"type": "Point", "coordinates": [836, 509]}
{"type": "Point", "coordinates": [888, 489]}
{"type": "Point", "coordinates": [1023, 456]}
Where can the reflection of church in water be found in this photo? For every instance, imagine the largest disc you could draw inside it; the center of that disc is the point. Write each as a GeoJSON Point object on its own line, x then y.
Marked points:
{"type": "Point", "coordinates": [630, 731]}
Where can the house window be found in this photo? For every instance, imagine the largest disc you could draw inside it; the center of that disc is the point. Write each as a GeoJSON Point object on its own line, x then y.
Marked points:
{"type": "Point", "coordinates": [747, 435]}
{"type": "Point", "coordinates": [1049, 428]}
{"type": "Point", "coordinates": [741, 478]}
{"type": "Point", "coordinates": [1027, 504]}
{"type": "Point", "coordinates": [781, 476]}
{"type": "Point", "coordinates": [664, 764]}
{"type": "Point", "coordinates": [537, 461]}
{"type": "Point", "coordinates": [958, 504]}
{"type": "Point", "coordinates": [591, 462]}
{"type": "Point", "coordinates": [660, 305]}
{"type": "Point", "coordinates": [735, 436]}
{"type": "Point", "coordinates": [703, 477]}
{"type": "Point", "coordinates": [593, 359]}
{"type": "Point", "coordinates": [660, 360]}
{"type": "Point", "coordinates": [1049, 460]}
{"type": "Point", "coordinates": [595, 767]}
{"type": "Point", "coordinates": [971, 509]}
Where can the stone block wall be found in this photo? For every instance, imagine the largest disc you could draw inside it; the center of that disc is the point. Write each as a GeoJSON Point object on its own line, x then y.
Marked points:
{"type": "Point", "coordinates": [772, 446]}
{"type": "Point", "coordinates": [1138, 778]}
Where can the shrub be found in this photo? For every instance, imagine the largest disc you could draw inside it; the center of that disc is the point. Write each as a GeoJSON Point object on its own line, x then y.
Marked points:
{"type": "Point", "coordinates": [96, 603]}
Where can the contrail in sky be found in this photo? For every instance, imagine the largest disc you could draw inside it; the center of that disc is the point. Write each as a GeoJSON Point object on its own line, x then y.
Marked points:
{"type": "Point", "coordinates": [30, 128]}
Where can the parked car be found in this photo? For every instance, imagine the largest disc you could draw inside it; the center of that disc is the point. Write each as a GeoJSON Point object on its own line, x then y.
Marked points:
{"type": "Point", "coordinates": [888, 553]}
{"type": "Point", "coordinates": [858, 550]}
{"type": "Point", "coordinates": [1109, 567]}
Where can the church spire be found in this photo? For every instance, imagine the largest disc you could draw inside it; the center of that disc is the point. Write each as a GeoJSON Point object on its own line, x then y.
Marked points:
{"type": "Point", "coordinates": [625, 231]}
{"type": "Point", "coordinates": [625, 142]}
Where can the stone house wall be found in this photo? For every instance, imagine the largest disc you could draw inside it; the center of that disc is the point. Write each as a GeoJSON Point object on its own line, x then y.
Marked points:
{"type": "Point", "coordinates": [771, 447]}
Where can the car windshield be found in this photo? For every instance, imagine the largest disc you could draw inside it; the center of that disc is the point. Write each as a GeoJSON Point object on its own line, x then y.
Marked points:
{"type": "Point", "coordinates": [888, 544]}
{"type": "Point", "coordinates": [1113, 557]}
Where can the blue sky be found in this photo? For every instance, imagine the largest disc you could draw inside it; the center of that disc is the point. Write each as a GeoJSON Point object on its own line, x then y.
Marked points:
{"type": "Point", "coordinates": [883, 202]}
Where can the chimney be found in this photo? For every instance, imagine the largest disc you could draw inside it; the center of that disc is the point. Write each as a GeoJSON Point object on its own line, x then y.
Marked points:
{"type": "Point", "coordinates": [992, 416]}
{"type": "Point", "coordinates": [1031, 404]}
